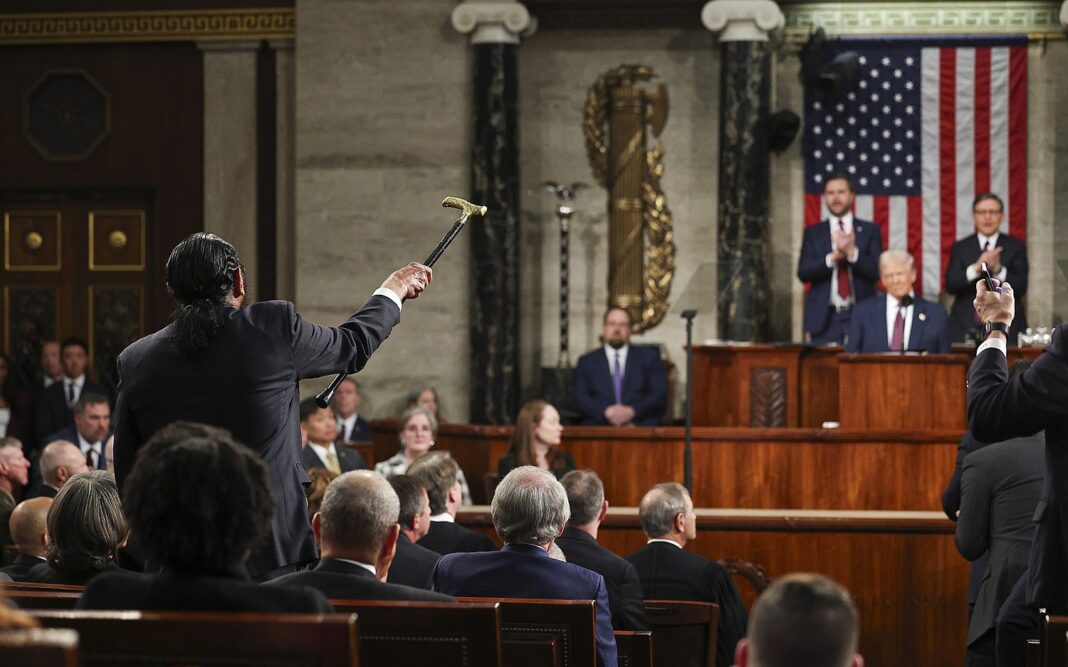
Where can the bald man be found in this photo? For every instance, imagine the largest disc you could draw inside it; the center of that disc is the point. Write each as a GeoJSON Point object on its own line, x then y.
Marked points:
{"type": "Point", "coordinates": [28, 531]}
{"type": "Point", "coordinates": [60, 460]}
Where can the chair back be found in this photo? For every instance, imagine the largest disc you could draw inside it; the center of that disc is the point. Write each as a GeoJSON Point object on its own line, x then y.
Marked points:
{"type": "Point", "coordinates": [684, 633]}
{"type": "Point", "coordinates": [570, 624]}
{"type": "Point", "coordinates": [39, 647]}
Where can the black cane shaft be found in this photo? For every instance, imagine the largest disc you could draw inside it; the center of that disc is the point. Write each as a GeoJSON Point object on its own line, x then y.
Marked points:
{"type": "Point", "coordinates": [326, 395]}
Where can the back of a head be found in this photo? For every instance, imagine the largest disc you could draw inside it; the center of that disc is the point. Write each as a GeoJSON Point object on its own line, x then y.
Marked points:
{"type": "Point", "coordinates": [55, 454]}
{"type": "Point", "coordinates": [358, 509]}
{"type": "Point", "coordinates": [585, 495]}
{"type": "Point", "coordinates": [803, 620]}
{"type": "Point", "coordinates": [200, 275]}
{"type": "Point", "coordinates": [438, 472]}
{"type": "Point", "coordinates": [409, 492]}
{"type": "Point", "coordinates": [86, 526]}
{"type": "Point", "coordinates": [28, 522]}
{"type": "Point", "coordinates": [529, 507]}
{"type": "Point", "coordinates": [659, 507]}
{"type": "Point", "coordinates": [198, 501]}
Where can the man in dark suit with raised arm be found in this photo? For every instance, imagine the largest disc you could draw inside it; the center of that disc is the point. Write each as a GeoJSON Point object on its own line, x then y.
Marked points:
{"type": "Point", "coordinates": [898, 321]}
{"type": "Point", "coordinates": [839, 258]}
{"type": "Point", "coordinates": [357, 529]}
{"type": "Point", "coordinates": [226, 364]}
{"type": "Point", "coordinates": [1000, 407]}
{"type": "Point", "coordinates": [585, 495]}
{"type": "Point", "coordinates": [1005, 256]}
{"type": "Point", "coordinates": [619, 384]}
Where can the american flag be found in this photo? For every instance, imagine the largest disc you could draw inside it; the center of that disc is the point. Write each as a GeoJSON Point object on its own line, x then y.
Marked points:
{"type": "Point", "coordinates": [928, 125]}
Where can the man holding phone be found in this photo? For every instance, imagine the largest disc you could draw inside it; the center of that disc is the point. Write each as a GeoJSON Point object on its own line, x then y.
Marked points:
{"type": "Point", "coordinates": [1005, 256]}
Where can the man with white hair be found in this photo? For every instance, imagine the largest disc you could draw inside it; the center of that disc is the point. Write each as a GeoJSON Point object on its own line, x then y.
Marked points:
{"type": "Point", "coordinates": [898, 321]}
{"type": "Point", "coordinates": [530, 510]}
{"type": "Point", "coordinates": [801, 620]}
{"type": "Point", "coordinates": [60, 460]}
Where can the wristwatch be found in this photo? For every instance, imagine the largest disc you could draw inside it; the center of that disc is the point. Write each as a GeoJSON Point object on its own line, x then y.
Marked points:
{"type": "Point", "coordinates": [991, 327]}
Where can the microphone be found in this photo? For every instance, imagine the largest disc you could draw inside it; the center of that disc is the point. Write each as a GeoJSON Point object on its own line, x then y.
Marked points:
{"type": "Point", "coordinates": [906, 301]}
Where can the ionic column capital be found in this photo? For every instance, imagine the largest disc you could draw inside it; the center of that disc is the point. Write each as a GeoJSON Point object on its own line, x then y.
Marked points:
{"type": "Point", "coordinates": [742, 20]}
{"type": "Point", "coordinates": [493, 21]}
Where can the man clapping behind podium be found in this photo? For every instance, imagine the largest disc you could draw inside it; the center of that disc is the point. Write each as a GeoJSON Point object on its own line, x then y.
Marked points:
{"type": "Point", "coordinates": [898, 321]}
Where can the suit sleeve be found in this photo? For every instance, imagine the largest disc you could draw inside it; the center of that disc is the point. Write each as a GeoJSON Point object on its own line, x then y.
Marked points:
{"type": "Point", "coordinates": [973, 526]}
{"type": "Point", "coordinates": [653, 398]}
{"type": "Point", "coordinates": [1000, 408]}
{"type": "Point", "coordinates": [583, 397]}
{"type": "Point", "coordinates": [127, 438]}
{"type": "Point", "coordinates": [951, 496]}
{"type": "Point", "coordinates": [633, 606]}
{"type": "Point", "coordinates": [732, 619]}
{"type": "Point", "coordinates": [319, 350]}
{"type": "Point", "coordinates": [812, 266]}
{"type": "Point", "coordinates": [606, 639]}
{"type": "Point", "coordinates": [957, 282]}
{"type": "Point", "coordinates": [855, 338]}
{"type": "Point", "coordinates": [867, 264]}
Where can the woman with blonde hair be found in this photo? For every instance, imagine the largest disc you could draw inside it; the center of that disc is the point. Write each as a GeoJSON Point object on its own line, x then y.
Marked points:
{"type": "Point", "coordinates": [418, 428]}
{"type": "Point", "coordinates": [536, 440]}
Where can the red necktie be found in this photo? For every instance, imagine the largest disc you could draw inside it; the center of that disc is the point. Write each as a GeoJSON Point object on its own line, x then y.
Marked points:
{"type": "Point", "coordinates": [843, 272]}
{"type": "Point", "coordinates": [897, 341]}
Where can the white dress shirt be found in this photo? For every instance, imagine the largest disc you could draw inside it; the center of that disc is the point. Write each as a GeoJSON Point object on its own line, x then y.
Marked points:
{"type": "Point", "coordinates": [78, 383]}
{"type": "Point", "coordinates": [612, 352]}
{"type": "Point", "coordinates": [660, 539]}
{"type": "Point", "coordinates": [847, 227]}
{"type": "Point", "coordinates": [891, 317]}
{"type": "Point", "coordinates": [97, 449]}
{"type": "Point", "coordinates": [345, 426]}
{"type": "Point", "coordinates": [972, 273]}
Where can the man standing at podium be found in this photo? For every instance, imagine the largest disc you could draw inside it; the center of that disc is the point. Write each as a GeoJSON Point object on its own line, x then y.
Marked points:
{"type": "Point", "coordinates": [840, 258]}
{"type": "Point", "coordinates": [898, 321]}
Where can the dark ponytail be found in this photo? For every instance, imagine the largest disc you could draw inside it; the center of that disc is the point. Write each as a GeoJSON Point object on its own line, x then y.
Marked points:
{"type": "Point", "coordinates": [200, 276]}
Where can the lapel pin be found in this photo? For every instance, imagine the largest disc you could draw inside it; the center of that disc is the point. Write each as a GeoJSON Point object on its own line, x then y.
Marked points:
{"type": "Point", "coordinates": [923, 317]}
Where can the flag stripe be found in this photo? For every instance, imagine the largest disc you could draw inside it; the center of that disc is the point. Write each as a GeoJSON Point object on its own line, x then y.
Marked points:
{"type": "Point", "coordinates": [982, 120]}
{"type": "Point", "coordinates": [999, 126]}
{"type": "Point", "coordinates": [863, 207]}
{"type": "Point", "coordinates": [947, 145]}
{"type": "Point", "coordinates": [930, 163]}
{"type": "Point", "coordinates": [812, 209]}
{"type": "Point", "coordinates": [965, 156]}
{"type": "Point", "coordinates": [897, 222]}
{"type": "Point", "coordinates": [914, 223]}
{"type": "Point", "coordinates": [1018, 142]}
{"type": "Point", "coordinates": [880, 214]}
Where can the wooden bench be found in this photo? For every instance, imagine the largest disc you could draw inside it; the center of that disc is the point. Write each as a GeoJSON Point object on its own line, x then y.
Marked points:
{"type": "Point", "coordinates": [684, 633]}
{"type": "Point", "coordinates": [443, 634]}
{"type": "Point", "coordinates": [1054, 645]}
{"type": "Point", "coordinates": [172, 638]}
{"type": "Point", "coordinates": [27, 598]}
{"type": "Point", "coordinates": [30, 586]}
{"type": "Point", "coordinates": [39, 648]}
{"type": "Point", "coordinates": [635, 648]}
{"type": "Point", "coordinates": [569, 624]}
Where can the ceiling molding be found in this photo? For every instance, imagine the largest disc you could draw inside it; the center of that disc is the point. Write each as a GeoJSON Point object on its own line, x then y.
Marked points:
{"type": "Point", "coordinates": [1036, 19]}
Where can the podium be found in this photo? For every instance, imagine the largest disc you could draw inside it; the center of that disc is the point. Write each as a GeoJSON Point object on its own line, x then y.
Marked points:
{"type": "Point", "coordinates": [905, 392]}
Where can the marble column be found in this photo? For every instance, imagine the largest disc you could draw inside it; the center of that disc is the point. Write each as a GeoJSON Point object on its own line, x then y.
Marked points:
{"type": "Point", "coordinates": [495, 29]}
{"type": "Point", "coordinates": [230, 147]}
{"type": "Point", "coordinates": [743, 235]}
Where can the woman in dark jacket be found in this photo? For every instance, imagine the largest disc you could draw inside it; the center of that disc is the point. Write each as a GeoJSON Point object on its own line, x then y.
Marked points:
{"type": "Point", "coordinates": [535, 442]}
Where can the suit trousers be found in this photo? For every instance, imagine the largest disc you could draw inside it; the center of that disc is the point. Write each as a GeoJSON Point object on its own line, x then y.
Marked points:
{"type": "Point", "coordinates": [1017, 622]}
{"type": "Point", "coordinates": [836, 329]}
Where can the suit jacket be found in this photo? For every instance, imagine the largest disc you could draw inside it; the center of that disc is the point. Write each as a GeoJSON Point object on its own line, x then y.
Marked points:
{"type": "Point", "coordinates": [527, 571]}
{"type": "Point", "coordinates": [812, 268]}
{"type": "Point", "coordinates": [1000, 487]}
{"type": "Point", "coordinates": [347, 458]}
{"type": "Point", "coordinates": [1000, 408]}
{"type": "Point", "coordinates": [867, 329]}
{"type": "Point", "coordinates": [246, 381]}
{"type": "Point", "coordinates": [963, 254]}
{"type": "Point", "coordinates": [644, 385]}
{"type": "Point", "coordinates": [361, 431]}
{"type": "Point", "coordinates": [340, 580]}
{"type": "Point", "coordinates": [413, 564]}
{"type": "Point", "coordinates": [445, 537]}
{"type": "Point", "coordinates": [951, 504]}
{"type": "Point", "coordinates": [43, 573]}
{"type": "Point", "coordinates": [624, 589]}
{"type": "Point", "coordinates": [53, 413]}
{"type": "Point", "coordinates": [20, 569]}
{"type": "Point", "coordinates": [670, 573]}
{"type": "Point", "coordinates": [170, 591]}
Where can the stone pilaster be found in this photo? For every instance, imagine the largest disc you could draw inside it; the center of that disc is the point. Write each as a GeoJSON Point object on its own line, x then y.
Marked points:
{"type": "Point", "coordinates": [285, 163]}
{"type": "Point", "coordinates": [495, 29]}
{"type": "Point", "coordinates": [743, 250]}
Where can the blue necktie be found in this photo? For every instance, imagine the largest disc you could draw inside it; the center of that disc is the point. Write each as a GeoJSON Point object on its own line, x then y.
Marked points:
{"type": "Point", "coordinates": [617, 380]}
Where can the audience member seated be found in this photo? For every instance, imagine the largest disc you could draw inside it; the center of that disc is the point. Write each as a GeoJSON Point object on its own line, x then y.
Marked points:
{"type": "Point", "coordinates": [54, 409]}
{"type": "Point", "coordinates": [29, 531]}
{"type": "Point", "coordinates": [92, 422]}
{"type": "Point", "coordinates": [669, 572]}
{"type": "Point", "coordinates": [15, 418]}
{"type": "Point", "coordinates": [14, 474]}
{"type": "Point", "coordinates": [320, 480]}
{"type": "Point", "coordinates": [1001, 485]}
{"type": "Point", "coordinates": [529, 512]}
{"type": "Point", "coordinates": [357, 534]}
{"type": "Point", "coordinates": [418, 428]}
{"type": "Point", "coordinates": [321, 452]}
{"type": "Point", "coordinates": [802, 620]}
{"type": "Point", "coordinates": [427, 398]}
{"type": "Point", "coordinates": [898, 321]}
{"type": "Point", "coordinates": [86, 528]}
{"type": "Point", "coordinates": [413, 564]}
{"type": "Point", "coordinates": [351, 427]}
{"type": "Point", "coordinates": [536, 441]}
{"type": "Point", "coordinates": [619, 384]}
{"type": "Point", "coordinates": [585, 495]}
{"type": "Point", "coordinates": [60, 460]}
{"type": "Point", "coordinates": [199, 503]}
{"type": "Point", "coordinates": [440, 475]}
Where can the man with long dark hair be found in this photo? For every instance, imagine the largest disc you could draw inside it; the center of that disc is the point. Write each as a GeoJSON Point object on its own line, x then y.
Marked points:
{"type": "Point", "coordinates": [236, 367]}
